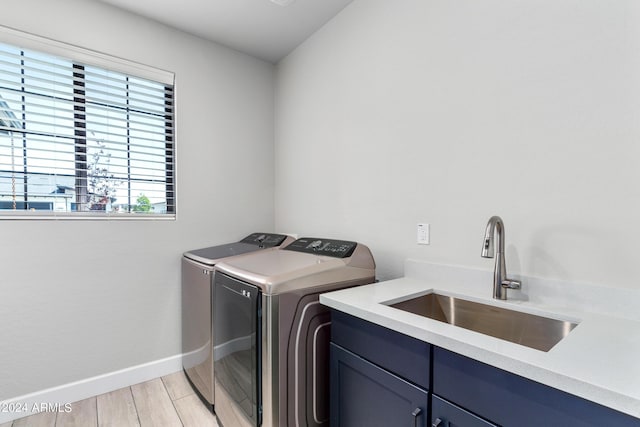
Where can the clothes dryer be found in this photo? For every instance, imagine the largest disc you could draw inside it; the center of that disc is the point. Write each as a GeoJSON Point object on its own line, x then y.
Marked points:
{"type": "Point", "coordinates": [271, 345]}
{"type": "Point", "coordinates": [197, 327]}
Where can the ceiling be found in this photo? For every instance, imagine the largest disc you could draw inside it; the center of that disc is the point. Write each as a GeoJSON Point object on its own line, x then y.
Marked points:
{"type": "Point", "coordinates": [261, 28]}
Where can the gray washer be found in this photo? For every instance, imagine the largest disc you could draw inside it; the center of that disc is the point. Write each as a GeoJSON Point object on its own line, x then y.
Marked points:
{"type": "Point", "coordinates": [197, 316]}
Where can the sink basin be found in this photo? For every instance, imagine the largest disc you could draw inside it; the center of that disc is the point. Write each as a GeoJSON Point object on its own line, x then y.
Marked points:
{"type": "Point", "coordinates": [530, 330]}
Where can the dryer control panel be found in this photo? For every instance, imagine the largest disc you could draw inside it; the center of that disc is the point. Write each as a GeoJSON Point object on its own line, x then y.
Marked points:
{"type": "Point", "coordinates": [264, 240]}
{"type": "Point", "coordinates": [327, 247]}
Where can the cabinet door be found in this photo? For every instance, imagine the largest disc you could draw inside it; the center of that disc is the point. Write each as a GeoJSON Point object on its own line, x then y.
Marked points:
{"type": "Point", "coordinates": [511, 400]}
{"type": "Point", "coordinates": [365, 395]}
{"type": "Point", "coordinates": [405, 356]}
{"type": "Point", "coordinates": [445, 414]}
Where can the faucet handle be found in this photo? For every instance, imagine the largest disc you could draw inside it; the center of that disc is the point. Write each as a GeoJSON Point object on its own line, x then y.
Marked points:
{"type": "Point", "coordinates": [511, 284]}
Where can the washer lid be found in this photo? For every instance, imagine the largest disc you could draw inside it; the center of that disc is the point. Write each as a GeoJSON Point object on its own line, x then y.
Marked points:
{"type": "Point", "coordinates": [251, 243]}
{"type": "Point", "coordinates": [276, 266]}
{"type": "Point", "coordinates": [304, 267]}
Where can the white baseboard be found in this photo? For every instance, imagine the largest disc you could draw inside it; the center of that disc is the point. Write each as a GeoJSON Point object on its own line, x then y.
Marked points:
{"type": "Point", "coordinates": [57, 397]}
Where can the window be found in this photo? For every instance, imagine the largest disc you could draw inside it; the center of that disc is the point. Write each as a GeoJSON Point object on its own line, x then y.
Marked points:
{"type": "Point", "coordinates": [80, 136]}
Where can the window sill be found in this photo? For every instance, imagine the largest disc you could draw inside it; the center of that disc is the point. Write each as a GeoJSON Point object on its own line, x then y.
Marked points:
{"type": "Point", "coordinates": [85, 216]}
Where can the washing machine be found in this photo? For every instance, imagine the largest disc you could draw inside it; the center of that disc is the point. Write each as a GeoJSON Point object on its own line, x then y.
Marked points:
{"type": "Point", "coordinates": [271, 340]}
{"type": "Point", "coordinates": [197, 327]}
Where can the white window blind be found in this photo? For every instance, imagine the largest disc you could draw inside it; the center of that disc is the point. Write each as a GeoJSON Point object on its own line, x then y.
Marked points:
{"type": "Point", "coordinates": [81, 140]}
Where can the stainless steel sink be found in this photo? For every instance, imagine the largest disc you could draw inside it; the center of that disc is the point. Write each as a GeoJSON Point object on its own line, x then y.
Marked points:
{"type": "Point", "coordinates": [530, 330]}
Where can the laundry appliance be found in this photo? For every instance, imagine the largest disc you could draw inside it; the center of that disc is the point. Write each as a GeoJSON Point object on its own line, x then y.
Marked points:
{"type": "Point", "coordinates": [271, 335]}
{"type": "Point", "coordinates": [197, 326]}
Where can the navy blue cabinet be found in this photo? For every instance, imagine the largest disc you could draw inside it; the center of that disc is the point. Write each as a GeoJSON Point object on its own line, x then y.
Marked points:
{"type": "Point", "coordinates": [365, 395]}
{"type": "Point", "coordinates": [383, 378]}
{"type": "Point", "coordinates": [511, 400]}
{"type": "Point", "coordinates": [400, 354]}
{"type": "Point", "coordinates": [446, 414]}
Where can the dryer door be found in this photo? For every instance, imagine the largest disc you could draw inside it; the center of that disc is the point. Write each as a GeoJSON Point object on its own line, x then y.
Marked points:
{"type": "Point", "coordinates": [237, 310]}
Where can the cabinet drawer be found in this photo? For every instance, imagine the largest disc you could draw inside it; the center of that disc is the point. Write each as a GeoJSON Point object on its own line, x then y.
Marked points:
{"type": "Point", "coordinates": [510, 400]}
{"type": "Point", "coordinates": [446, 414]}
{"type": "Point", "coordinates": [363, 394]}
{"type": "Point", "coordinates": [405, 356]}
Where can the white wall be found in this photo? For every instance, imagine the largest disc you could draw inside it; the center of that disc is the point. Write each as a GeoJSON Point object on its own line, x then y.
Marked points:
{"type": "Point", "coordinates": [79, 299]}
{"type": "Point", "coordinates": [449, 112]}
{"type": "Point", "coordinates": [394, 113]}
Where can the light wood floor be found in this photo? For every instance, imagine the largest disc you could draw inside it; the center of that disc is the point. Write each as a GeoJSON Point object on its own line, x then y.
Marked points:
{"type": "Point", "coordinates": [167, 401]}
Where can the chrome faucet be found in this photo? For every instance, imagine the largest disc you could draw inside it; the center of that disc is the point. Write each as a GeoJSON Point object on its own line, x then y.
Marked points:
{"type": "Point", "coordinates": [500, 281]}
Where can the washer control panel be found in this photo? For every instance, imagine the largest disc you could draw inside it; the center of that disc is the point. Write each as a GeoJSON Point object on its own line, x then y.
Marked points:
{"type": "Point", "coordinates": [327, 247]}
{"type": "Point", "coordinates": [264, 240]}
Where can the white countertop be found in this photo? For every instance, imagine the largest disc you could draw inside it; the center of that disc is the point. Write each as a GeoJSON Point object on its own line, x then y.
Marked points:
{"type": "Point", "coordinates": [599, 360]}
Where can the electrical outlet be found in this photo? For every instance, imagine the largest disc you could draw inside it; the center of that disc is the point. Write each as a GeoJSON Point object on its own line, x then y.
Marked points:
{"type": "Point", "coordinates": [423, 234]}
